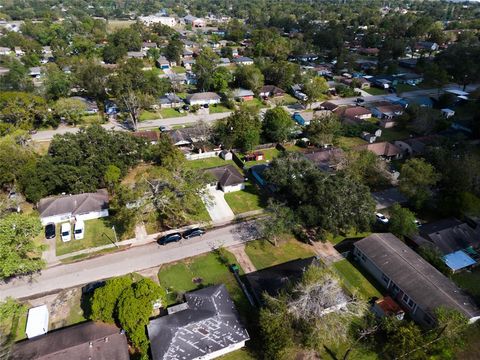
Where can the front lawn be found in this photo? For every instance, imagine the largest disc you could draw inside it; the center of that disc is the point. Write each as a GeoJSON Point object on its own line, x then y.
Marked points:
{"type": "Point", "coordinates": [284, 100]}
{"type": "Point", "coordinates": [354, 280]}
{"type": "Point", "coordinates": [92, 119]}
{"type": "Point", "coordinates": [200, 271]}
{"type": "Point", "coordinates": [97, 233]}
{"type": "Point", "coordinates": [179, 69]}
{"type": "Point", "coordinates": [208, 163]}
{"type": "Point", "coordinates": [149, 115]}
{"type": "Point", "coordinates": [263, 254]}
{"type": "Point", "coordinates": [170, 113]}
{"type": "Point", "coordinates": [347, 143]}
{"type": "Point", "coordinates": [245, 200]}
{"type": "Point", "coordinates": [218, 108]}
{"type": "Point", "coordinates": [405, 88]}
{"type": "Point", "coordinates": [375, 91]}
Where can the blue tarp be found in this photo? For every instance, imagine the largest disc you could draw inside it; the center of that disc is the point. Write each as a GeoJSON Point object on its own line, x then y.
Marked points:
{"type": "Point", "coordinates": [299, 118]}
{"type": "Point", "coordinates": [458, 260]}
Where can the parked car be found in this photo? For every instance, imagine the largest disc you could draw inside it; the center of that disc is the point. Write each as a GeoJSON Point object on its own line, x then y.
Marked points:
{"type": "Point", "coordinates": [79, 230]}
{"type": "Point", "coordinates": [163, 128]}
{"type": "Point", "coordinates": [66, 232]}
{"type": "Point", "coordinates": [360, 100]}
{"type": "Point", "coordinates": [193, 233]}
{"type": "Point", "coordinates": [186, 107]}
{"type": "Point", "coordinates": [381, 218]}
{"type": "Point", "coordinates": [50, 231]}
{"type": "Point", "coordinates": [164, 240]}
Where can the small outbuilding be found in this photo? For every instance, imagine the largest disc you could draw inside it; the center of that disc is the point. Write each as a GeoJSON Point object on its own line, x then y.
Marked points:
{"type": "Point", "coordinates": [37, 321]}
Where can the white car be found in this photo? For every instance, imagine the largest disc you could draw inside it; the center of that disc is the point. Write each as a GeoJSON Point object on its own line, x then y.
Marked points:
{"type": "Point", "coordinates": [66, 232]}
{"type": "Point", "coordinates": [382, 218]}
{"type": "Point", "coordinates": [79, 230]}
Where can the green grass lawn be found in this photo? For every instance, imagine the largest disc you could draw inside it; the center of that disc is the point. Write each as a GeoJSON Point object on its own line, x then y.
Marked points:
{"type": "Point", "coordinates": [405, 88]}
{"type": "Point", "coordinates": [348, 143]}
{"type": "Point", "coordinates": [92, 119]}
{"type": "Point", "coordinates": [287, 99]}
{"type": "Point", "coordinates": [218, 108]}
{"type": "Point", "coordinates": [375, 91]}
{"type": "Point", "coordinates": [350, 235]}
{"type": "Point", "coordinates": [268, 155]}
{"type": "Point", "coordinates": [355, 280]}
{"type": "Point", "coordinates": [170, 113]}
{"type": "Point", "coordinates": [263, 254]}
{"type": "Point", "coordinates": [246, 200]}
{"type": "Point", "coordinates": [393, 134]}
{"type": "Point", "coordinates": [149, 115]}
{"type": "Point", "coordinates": [253, 103]}
{"type": "Point", "coordinates": [97, 233]}
{"type": "Point", "coordinates": [242, 354]}
{"type": "Point", "coordinates": [469, 281]}
{"type": "Point", "coordinates": [179, 69]}
{"type": "Point", "coordinates": [200, 271]}
{"type": "Point", "coordinates": [208, 163]}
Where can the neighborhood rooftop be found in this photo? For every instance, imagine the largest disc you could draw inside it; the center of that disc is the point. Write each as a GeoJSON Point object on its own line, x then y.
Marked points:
{"type": "Point", "coordinates": [424, 284]}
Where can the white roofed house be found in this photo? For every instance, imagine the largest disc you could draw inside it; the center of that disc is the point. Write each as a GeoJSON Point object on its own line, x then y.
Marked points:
{"type": "Point", "coordinates": [203, 98]}
{"type": "Point", "coordinates": [86, 206]}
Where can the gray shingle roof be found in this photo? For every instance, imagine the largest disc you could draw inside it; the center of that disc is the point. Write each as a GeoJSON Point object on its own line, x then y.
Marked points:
{"type": "Point", "coordinates": [413, 275]}
{"type": "Point", "coordinates": [73, 204]}
{"type": "Point", "coordinates": [73, 343]}
{"type": "Point", "coordinates": [210, 323]}
{"type": "Point", "coordinates": [227, 175]}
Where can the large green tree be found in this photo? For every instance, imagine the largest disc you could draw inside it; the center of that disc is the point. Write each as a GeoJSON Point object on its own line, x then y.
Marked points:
{"type": "Point", "coordinates": [249, 77]}
{"type": "Point", "coordinates": [402, 221]}
{"type": "Point", "coordinates": [240, 130]}
{"type": "Point", "coordinates": [204, 68]}
{"type": "Point", "coordinates": [277, 125]}
{"type": "Point", "coordinates": [416, 179]}
{"type": "Point", "coordinates": [19, 255]}
{"type": "Point", "coordinates": [323, 130]}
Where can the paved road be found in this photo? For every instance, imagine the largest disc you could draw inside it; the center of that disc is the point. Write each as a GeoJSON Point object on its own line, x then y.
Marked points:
{"type": "Point", "coordinates": [47, 135]}
{"type": "Point", "coordinates": [124, 262]}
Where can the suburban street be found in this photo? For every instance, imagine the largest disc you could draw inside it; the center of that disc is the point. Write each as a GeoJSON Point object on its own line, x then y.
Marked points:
{"type": "Point", "coordinates": [124, 262]}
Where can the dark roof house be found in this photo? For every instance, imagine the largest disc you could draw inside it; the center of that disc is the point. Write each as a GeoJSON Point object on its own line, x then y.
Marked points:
{"type": "Point", "coordinates": [383, 149]}
{"type": "Point", "coordinates": [415, 284]}
{"type": "Point", "coordinates": [326, 159]}
{"type": "Point", "coordinates": [90, 340]}
{"type": "Point", "coordinates": [204, 327]}
{"type": "Point", "coordinates": [226, 176]}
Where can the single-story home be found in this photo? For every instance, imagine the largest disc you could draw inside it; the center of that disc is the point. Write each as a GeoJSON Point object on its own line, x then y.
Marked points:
{"type": "Point", "coordinates": [243, 94]}
{"type": "Point", "coordinates": [223, 62]}
{"type": "Point", "coordinates": [242, 60]}
{"type": "Point", "coordinates": [86, 206]}
{"type": "Point", "coordinates": [188, 63]}
{"type": "Point", "coordinates": [411, 79]}
{"type": "Point", "coordinates": [149, 136]}
{"type": "Point", "coordinates": [458, 241]}
{"type": "Point", "coordinates": [326, 159]}
{"type": "Point", "coordinates": [170, 100]}
{"type": "Point", "coordinates": [328, 105]}
{"type": "Point", "coordinates": [136, 54]}
{"type": "Point", "coordinates": [205, 327]}
{"type": "Point", "coordinates": [89, 340]}
{"type": "Point", "coordinates": [203, 98]}
{"type": "Point", "coordinates": [355, 114]}
{"type": "Point", "coordinates": [386, 110]}
{"type": "Point", "coordinates": [268, 91]}
{"type": "Point", "coordinates": [163, 63]}
{"type": "Point", "coordinates": [194, 21]}
{"type": "Point", "coordinates": [410, 280]}
{"type": "Point", "coordinates": [91, 105]}
{"type": "Point", "coordinates": [227, 178]}
{"type": "Point", "coordinates": [384, 149]}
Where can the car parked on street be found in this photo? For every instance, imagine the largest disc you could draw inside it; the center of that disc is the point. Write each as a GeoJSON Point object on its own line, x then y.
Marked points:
{"type": "Point", "coordinates": [381, 218]}
{"type": "Point", "coordinates": [50, 231]}
{"type": "Point", "coordinates": [193, 233]}
{"type": "Point", "coordinates": [164, 240]}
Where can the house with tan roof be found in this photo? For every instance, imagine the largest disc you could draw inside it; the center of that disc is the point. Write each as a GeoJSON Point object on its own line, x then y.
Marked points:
{"type": "Point", "coordinates": [384, 149]}
{"type": "Point", "coordinates": [86, 206]}
{"type": "Point", "coordinates": [354, 114]}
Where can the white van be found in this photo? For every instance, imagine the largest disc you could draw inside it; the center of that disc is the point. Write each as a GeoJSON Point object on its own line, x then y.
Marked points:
{"type": "Point", "coordinates": [79, 230]}
{"type": "Point", "coordinates": [66, 232]}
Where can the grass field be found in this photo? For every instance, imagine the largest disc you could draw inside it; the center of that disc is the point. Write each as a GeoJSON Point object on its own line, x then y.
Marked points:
{"type": "Point", "coordinates": [375, 91]}
{"type": "Point", "coordinates": [208, 163]}
{"type": "Point", "coordinates": [268, 155]}
{"type": "Point", "coordinates": [92, 119]}
{"type": "Point", "coordinates": [355, 280]}
{"type": "Point", "coordinates": [243, 201]}
{"type": "Point", "coordinates": [393, 134]}
{"type": "Point", "coordinates": [97, 233]}
{"type": "Point", "coordinates": [241, 354]}
{"type": "Point", "coordinates": [263, 254]}
{"type": "Point", "coordinates": [469, 281]}
{"type": "Point", "coordinates": [201, 271]}
{"type": "Point", "coordinates": [348, 143]}
{"type": "Point", "coordinates": [179, 69]}
{"type": "Point", "coordinates": [113, 25]}
{"type": "Point", "coordinates": [218, 108]}
{"type": "Point", "coordinates": [351, 234]}
{"type": "Point", "coordinates": [149, 115]}
{"type": "Point", "coordinates": [405, 88]}
{"type": "Point", "coordinates": [170, 113]}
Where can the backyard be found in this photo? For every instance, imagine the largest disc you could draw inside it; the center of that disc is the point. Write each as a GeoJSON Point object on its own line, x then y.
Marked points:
{"type": "Point", "coordinates": [348, 143]}
{"type": "Point", "coordinates": [393, 134]}
{"type": "Point", "coordinates": [354, 280]}
{"type": "Point", "coordinates": [263, 254]}
{"type": "Point", "coordinates": [469, 281]}
{"type": "Point", "coordinates": [245, 200]}
{"type": "Point", "coordinates": [208, 163]}
{"type": "Point", "coordinates": [98, 232]}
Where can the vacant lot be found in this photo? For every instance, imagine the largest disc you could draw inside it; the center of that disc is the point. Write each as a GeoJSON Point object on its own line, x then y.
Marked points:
{"type": "Point", "coordinates": [354, 280]}
{"type": "Point", "coordinates": [98, 232]}
{"type": "Point", "coordinates": [263, 254]}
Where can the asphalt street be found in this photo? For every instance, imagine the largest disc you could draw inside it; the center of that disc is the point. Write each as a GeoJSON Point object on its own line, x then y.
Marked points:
{"type": "Point", "coordinates": [124, 262]}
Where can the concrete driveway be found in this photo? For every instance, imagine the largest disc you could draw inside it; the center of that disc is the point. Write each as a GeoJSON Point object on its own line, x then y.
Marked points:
{"type": "Point", "coordinates": [217, 207]}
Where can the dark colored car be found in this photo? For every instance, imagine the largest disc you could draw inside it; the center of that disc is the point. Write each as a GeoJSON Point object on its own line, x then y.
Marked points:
{"type": "Point", "coordinates": [186, 107]}
{"type": "Point", "coordinates": [193, 232]}
{"type": "Point", "coordinates": [164, 240]}
{"type": "Point", "coordinates": [360, 100]}
{"type": "Point", "coordinates": [50, 231]}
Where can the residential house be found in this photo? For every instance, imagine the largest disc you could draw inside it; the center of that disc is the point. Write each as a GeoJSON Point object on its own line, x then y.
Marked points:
{"type": "Point", "coordinates": [427, 46]}
{"type": "Point", "coordinates": [383, 81]}
{"type": "Point", "coordinates": [203, 98]}
{"type": "Point", "coordinates": [187, 136]}
{"type": "Point", "coordinates": [328, 105]}
{"type": "Point", "coordinates": [411, 79]}
{"type": "Point", "coordinates": [35, 72]}
{"type": "Point", "coordinates": [88, 340]}
{"type": "Point", "coordinates": [187, 54]}
{"type": "Point", "coordinates": [170, 100]}
{"type": "Point", "coordinates": [163, 63]}
{"type": "Point", "coordinates": [18, 51]}
{"type": "Point", "coordinates": [358, 82]}
{"type": "Point", "coordinates": [326, 159]}
{"type": "Point", "coordinates": [354, 114]}
{"type": "Point", "coordinates": [150, 136]}
{"type": "Point", "coordinates": [86, 206]}
{"type": "Point", "coordinates": [386, 112]}
{"type": "Point", "coordinates": [205, 327]}
{"type": "Point", "coordinates": [158, 19]}
{"type": "Point", "coordinates": [383, 149]}
{"type": "Point", "coordinates": [242, 60]}
{"type": "Point", "coordinates": [409, 63]}
{"type": "Point", "coordinates": [136, 54]}
{"type": "Point", "coordinates": [422, 101]}
{"type": "Point", "coordinates": [269, 91]}
{"type": "Point", "coordinates": [417, 286]}
{"type": "Point", "coordinates": [368, 51]}
{"type": "Point", "coordinates": [147, 45]}
{"type": "Point", "coordinates": [416, 146]}
{"type": "Point", "coordinates": [188, 63]}
{"type": "Point", "coordinates": [5, 51]}
{"type": "Point", "coordinates": [91, 106]}
{"type": "Point", "coordinates": [243, 94]}
{"type": "Point", "coordinates": [224, 62]}
{"type": "Point", "coordinates": [227, 178]}
{"type": "Point", "coordinates": [458, 241]}
{"type": "Point", "coordinates": [303, 118]}
{"type": "Point", "coordinates": [194, 21]}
